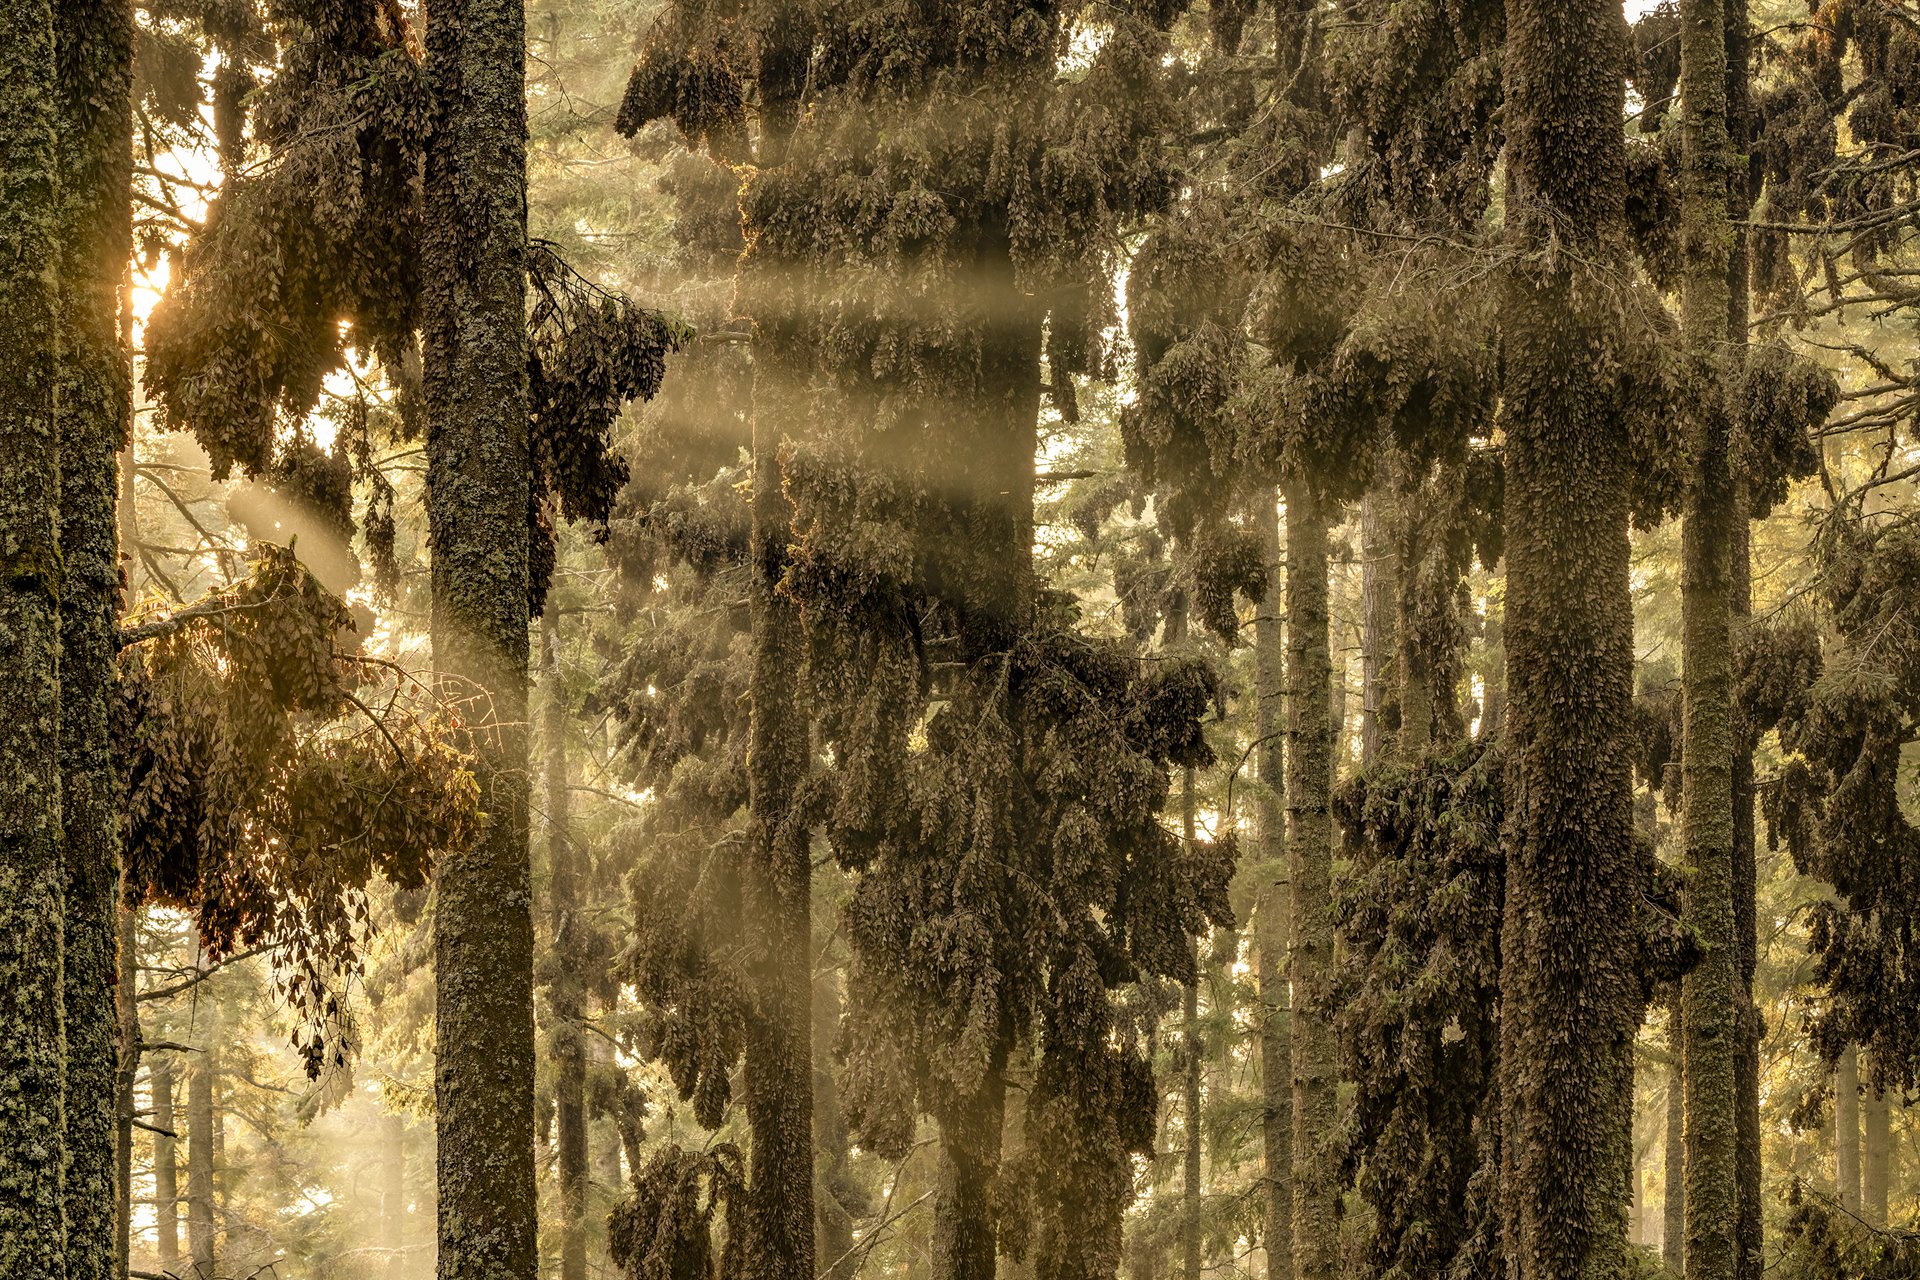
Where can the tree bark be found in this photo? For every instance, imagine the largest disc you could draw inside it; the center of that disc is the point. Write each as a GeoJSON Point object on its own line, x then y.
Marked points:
{"type": "Point", "coordinates": [1310, 846]}
{"type": "Point", "coordinates": [779, 881]}
{"type": "Point", "coordinates": [1846, 1130]}
{"type": "Point", "coordinates": [95, 53]}
{"type": "Point", "coordinates": [202, 1226]}
{"type": "Point", "coordinates": [1876, 1142]}
{"type": "Point", "coordinates": [166, 1168]}
{"type": "Point", "coordinates": [964, 1232]}
{"type": "Point", "coordinates": [567, 994]}
{"type": "Point", "coordinates": [1570, 995]}
{"type": "Point", "coordinates": [478, 502]}
{"type": "Point", "coordinates": [1191, 1190]}
{"type": "Point", "coordinates": [1710, 992]}
{"type": "Point", "coordinates": [1271, 912]}
{"type": "Point", "coordinates": [33, 1042]}
{"type": "Point", "coordinates": [833, 1229]}
{"type": "Point", "coordinates": [1742, 191]}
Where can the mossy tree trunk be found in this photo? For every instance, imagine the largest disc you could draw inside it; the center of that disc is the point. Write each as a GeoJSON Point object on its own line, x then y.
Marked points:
{"type": "Point", "coordinates": [1710, 991]}
{"type": "Point", "coordinates": [478, 482]}
{"type": "Point", "coordinates": [95, 51]}
{"type": "Point", "coordinates": [1846, 1129]}
{"type": "Point", "coordinates": [1570, 998]}
{"type": "Point", "coordinates": [1309, 677]}
{"type": "Point", "coordinates": [33, 1049]}
{"type": "Point", "coordinates": [1271, 912]}
{"type": "Point", "coordinates": [567, 991]}
{"type": "Point", "coordinates": [1742, 191]}
{"type": "Point", "coordinates": [1192, 1191]}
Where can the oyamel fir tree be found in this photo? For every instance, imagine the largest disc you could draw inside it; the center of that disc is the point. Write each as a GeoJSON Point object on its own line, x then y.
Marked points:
{"type": "Point", "coordinates": [383, 211]}
{"type": "Point", "coordinates": [1010, 868]}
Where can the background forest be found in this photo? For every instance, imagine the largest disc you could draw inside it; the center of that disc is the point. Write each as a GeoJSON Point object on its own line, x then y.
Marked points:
{"type": "Point", "coordinates": [1220, 640]}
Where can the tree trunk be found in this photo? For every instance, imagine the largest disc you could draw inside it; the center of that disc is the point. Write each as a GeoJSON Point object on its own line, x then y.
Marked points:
{"type": "Point", "coordinates": [1013, 1145]}
{"type": "Point", "coordinates": [778, 884]}
{"type": "Point", "coordinates": [833, 1219]}
{"type": "Point", "coordinates": [567, 994]}
{"type": "Point", "coordinates": [964, 1232]}
{"type": "Point", "coordinates": [95, 58]}
{"type": "Point", "coordinates": [1742, 191]}
{"type": "Point", "coordinates": [33, 1048]}
{"type": "Point", "coordinates": [1379, 590]}
{"type": "Point", "coordinates": [1875, 1146]}
{"type": "Point", "coordinates": [1191, 1102]}
{"type": "Point", "coordinates": [202, 1248]}
{"type": "Point", "coordinates": [1271, 912]}
{"type": "Point", "coordinates": [166, 1168]}
{"type": "Point", "coordinates": [1710, 991]}
{"type": "Point", "coordinates": [1310, 846]}
{"type": "Point", "coordinates": [1846, 1130]}
{"type": "Point", "coordinates": [1673, 1227]}
{"type": "Point", "coordinates": [1570, 999]}
{"type": "Point", "coordinates": [478, 502]}
{"type": "Point", "coordinates": [393, 1192]}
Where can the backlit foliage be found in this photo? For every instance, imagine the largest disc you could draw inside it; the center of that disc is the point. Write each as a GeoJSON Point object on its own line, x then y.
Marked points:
{"type": "Point", "coordinates": [263, 793]}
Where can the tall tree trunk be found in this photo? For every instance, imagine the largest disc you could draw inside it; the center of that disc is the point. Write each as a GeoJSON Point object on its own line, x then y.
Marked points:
{"type": "Point", "coordinates": [1710, 991]}
{"type": "Point", "coordinates": [1379, 589]}
{"type": "Point", "coordinates": [833, 1229]}
{"type": "Point", "coordinates": [393, 1192]}
{"type": "Point", "coordinates": [202, 1225]}
{"type": "Point", "coordinates": [964, 1232]}
{"type": "Point", "coordinates": [1310, 847]}
{"type": "Point", "coordinates": [1272, 930]}
{"type": "Point", "coordinates": [95, 44]}
{"type": "Point", "coordinates": [1742, 191]}
{"type": "Point", "coordinates": [779, 882]}
{"type": "Point", "coordinates": [166, 1168]}
{"type": "Point", "coordinates": [1013, 1145]}
{"type": "Point", "coordinates": [33, 1047]}
{"type": "Point", "coordinates": [1191, 1102]}
{"type": "Point", "coordinates": [1846, 1129]}
{"type": "Point", "coordinates": [1876, 1144]}
{"type": "Point", "coordinates": [1673, 1228]}
{"type": "Point", "coordinates": [567, 994]}
{"type": "Point", "coordinates": [1570, 999]}
{"type": "Point", "coordinates": [478, 502]}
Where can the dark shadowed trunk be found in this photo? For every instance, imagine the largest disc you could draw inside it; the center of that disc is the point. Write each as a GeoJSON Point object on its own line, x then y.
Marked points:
{"type": "Point", "coordinates": [474, 323]}
{"type": "Point", "coordinates": [964, 1233]}
{"type": "Point", "coordinates": [33, 1053]}
{"type": "Point", "coordinates": [779, 883]}
{"type": "Point", "coordinates": [1309, 771]}
{"type": "Point", "coordinates": [567, 996]}
{"type": "Point", "coordinates": [1271, 912]}
{"type": "Point", "coordinates": [1191, 1190]}
{"type": "Point", "coordinates": [1846, 1130]}
{"type": "Point", "coordinates": [1570, 999]}
{"type": "Point", "coordinates": [1710, 991]}
{"type": "Point", "coordinates": [95, 39]}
